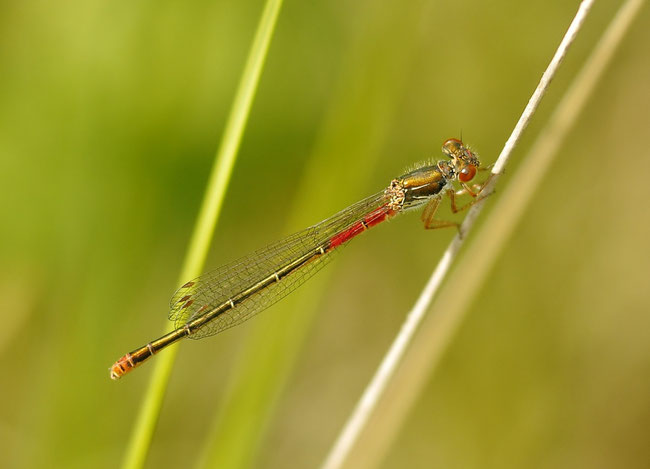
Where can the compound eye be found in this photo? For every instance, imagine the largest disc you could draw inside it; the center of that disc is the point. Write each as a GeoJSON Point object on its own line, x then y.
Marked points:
{"type": "Point", "coordinates": [451, 147]}
{"type": "Point", "coordinates": [452, 142]}
{"type": "Point", "coordinates": [467, 173]}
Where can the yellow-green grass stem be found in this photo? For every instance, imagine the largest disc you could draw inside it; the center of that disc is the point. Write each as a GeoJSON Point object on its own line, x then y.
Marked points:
{"type": "Point", "coordinates": [145, 424]}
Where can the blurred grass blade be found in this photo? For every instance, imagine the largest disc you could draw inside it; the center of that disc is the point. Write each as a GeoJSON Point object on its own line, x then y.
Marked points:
{"type": "Point", "coordinates": [437, 330]}
{"type": "Point", "coordinates": [210, 209]}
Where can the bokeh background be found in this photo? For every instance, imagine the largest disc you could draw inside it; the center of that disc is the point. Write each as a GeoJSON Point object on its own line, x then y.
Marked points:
{"type": "Point", "coordinates": [110, 114]}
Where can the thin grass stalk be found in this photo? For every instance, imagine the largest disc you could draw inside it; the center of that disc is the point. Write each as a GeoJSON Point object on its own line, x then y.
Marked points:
{"type": "Point", "coordinates": [437, 331]}
{"type": "Point", "coordinates": [376, 389]}
{"type": "Point", "coordinates": [225, 157]}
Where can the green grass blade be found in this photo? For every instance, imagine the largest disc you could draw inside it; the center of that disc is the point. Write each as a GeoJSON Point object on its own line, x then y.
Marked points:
{"type": "Point", "coordinates": [210, 209]}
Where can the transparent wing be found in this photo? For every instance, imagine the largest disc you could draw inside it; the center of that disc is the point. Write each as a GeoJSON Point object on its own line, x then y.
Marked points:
{"type": "Point", "coordinates": [217, 287]}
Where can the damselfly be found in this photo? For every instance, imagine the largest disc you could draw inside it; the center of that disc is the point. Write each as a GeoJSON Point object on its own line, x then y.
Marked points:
{"type": "Point", "coordinates": [228, 296]}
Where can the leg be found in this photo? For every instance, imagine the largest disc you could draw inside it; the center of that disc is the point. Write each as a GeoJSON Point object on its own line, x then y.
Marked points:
{"type": "Point", "coordinates": [452, 197]}
{"type": "Point", "coordinates": [430, 223]}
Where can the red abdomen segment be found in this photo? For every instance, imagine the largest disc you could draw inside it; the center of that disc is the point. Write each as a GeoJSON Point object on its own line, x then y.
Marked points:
{"type": "Point", "coordinates": [140, 355]}
{"type": "Point", "coordinates": [373, 218]}
{"type": "Point", "coordinates": [131, 360]}
{"type": "Point", "coordinates": [122, 366]}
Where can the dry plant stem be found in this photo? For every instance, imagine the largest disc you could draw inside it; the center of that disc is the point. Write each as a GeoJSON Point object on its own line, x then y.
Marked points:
{"type": "Point", "coordinates": [358, 420]}
{"type": "Point", "coordinates": [437, 330]}
{"type": "Point", "coordinates": [203, 231]}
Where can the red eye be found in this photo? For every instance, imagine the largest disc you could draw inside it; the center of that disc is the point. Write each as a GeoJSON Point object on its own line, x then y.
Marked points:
{"type": "Point", "coordinates": [467, 173]}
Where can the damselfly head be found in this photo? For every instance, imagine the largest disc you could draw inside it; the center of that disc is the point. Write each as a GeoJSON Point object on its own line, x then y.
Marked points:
{"type": "Point", "coordinates": [464, 160]}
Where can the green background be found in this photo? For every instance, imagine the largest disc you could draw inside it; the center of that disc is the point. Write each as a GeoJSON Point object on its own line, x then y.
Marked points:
{"type": "Point", "coordinates": [110, 113]}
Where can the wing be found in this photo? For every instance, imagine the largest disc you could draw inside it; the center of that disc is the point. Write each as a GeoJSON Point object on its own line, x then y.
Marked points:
{"type": "Point", "coordinates": [199, 296]}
